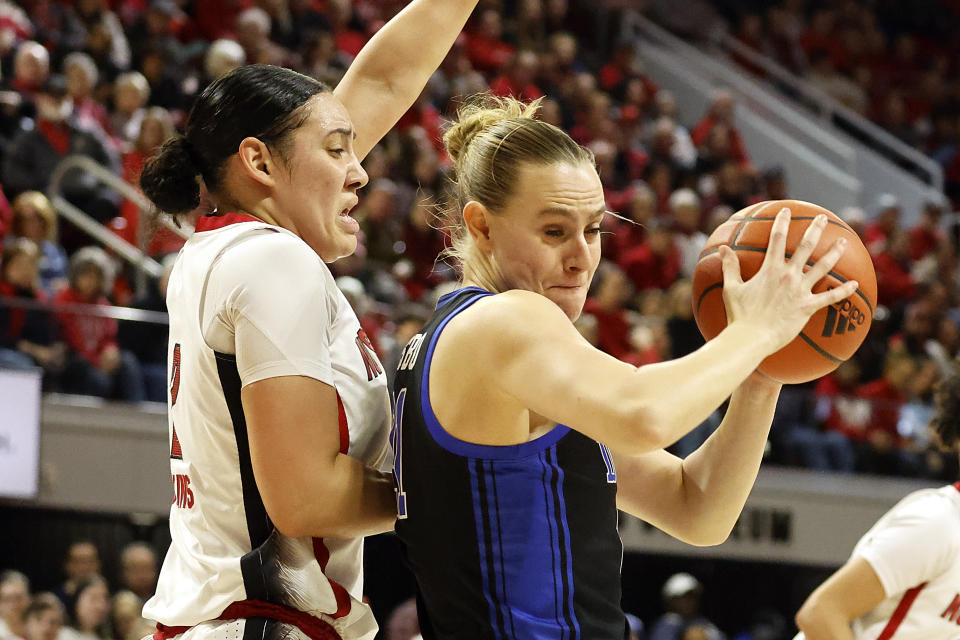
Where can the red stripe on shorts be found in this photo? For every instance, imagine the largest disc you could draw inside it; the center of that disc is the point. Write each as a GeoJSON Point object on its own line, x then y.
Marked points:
{"type": "Point", "coordinates": [322, 554]}
{"type": "Point", "coordinates": [344, 427]}
{"type": "Point", "coordinates": [312, 627]}
{"type": "Point", "coordinates": [901, 612]}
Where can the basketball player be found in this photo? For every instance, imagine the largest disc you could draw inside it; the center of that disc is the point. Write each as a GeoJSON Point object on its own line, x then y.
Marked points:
{"type": "Point", "coordinates": [516, 441]}
{"type": "Point", "coordinates": [278, 407]}
{"type": "Point", "coordinates": [902, 581]}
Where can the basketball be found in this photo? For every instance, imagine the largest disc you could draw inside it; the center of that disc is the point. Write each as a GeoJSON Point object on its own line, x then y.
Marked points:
{"type": "Point", "coordinates": [833, 333]}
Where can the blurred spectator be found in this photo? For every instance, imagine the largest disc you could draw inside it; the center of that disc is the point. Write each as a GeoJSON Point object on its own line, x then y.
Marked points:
{"type": "Point", "coordinates": [102, 35]}
{"type": "Point", "coordinates": [685, 207]}
{"type": "Point", "coordinates": [682, 594]}
{"type": "Point", "coordinates": [610, 291]}
{"type": "Point", "coordinates": [626, 234]}
{"type": "Point", "coordinates": [485, 45]}
{"type": "Point", "coordinates": [801, 425]}
{"type": "Point", "coordinates": [44, 617]}
{"type": "Point", "coordinates": [96, 365]}
{"type": "Point", "coordinates": [33, 155]}
{"type": "Point", "coordinates": [35, 219]}
{"type": "Point", "coordinates": [147, 341]}
{"type": "Point", "coordinates": [31, 67]}
{"type": "Point", "coordinates": [224, 55]}
{"type": "Point", "coordinates": [88, 611]}
{"type": "Point", "coordinates": [14, 600]}
{"type": "Point", "coordinates": [81, 564]}
{"type": "Point", "coordinates": [402, 623]}
{"type": "Point", "coordinates": [518, 81]}
{"type": "Point", "coordinates": [895, 284]}
{"type": "Point", "coordinates": [322, 60]}
{"type": "Point", "coordinates": [879, 453]}
{"type": "Point", "coordinates": [155, 128]}
{"type": "Point", "coordinates": [138, 570]}
{"type": "Point", "coordinates": [927, 236]}
{"type": "Point", "coordinates": [774, 184]}
{"type": "Point", "coordinates": [125, 607]}
{"type": "Point", "coordinates": [722, 111]}
{"type": "Point", "coordinates": [82, 77]}
{"type": "Point", "coordinates": [681, 327]}
{"type": "Point", "coordinates": [670, 142]}
{"type": "Point", "coordinates": [376, 214]}
{"type": "Point", "coordinates": [27, 336]}
{"type": "Point", "coordinates": [253, 34]}
{"type": "Point", "coordinates": [131, 92]}
{"type": "Point", "coordinates": [886, 222]}
{"type": "Point", "coordinates": [655, 262]}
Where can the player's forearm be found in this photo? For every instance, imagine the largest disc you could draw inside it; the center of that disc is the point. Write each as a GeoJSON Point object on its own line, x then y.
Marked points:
{"type": "Point", "coordinates": [343, 499]}
{"type": "Point", "coordinates": [822, 622]}
{"type": "Point", "coordinates": [718, 477]}
{"type": "Point", "coordinates": [682, 393]}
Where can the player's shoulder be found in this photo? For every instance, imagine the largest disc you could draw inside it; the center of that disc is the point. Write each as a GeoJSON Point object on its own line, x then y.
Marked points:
{"type": "Point", "coordinates": [940, 506]}
{"type": "Point", "coordinates": [513, 310]}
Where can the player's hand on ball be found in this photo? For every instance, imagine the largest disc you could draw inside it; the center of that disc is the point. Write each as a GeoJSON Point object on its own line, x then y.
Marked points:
{"type": "Point", "coordinates": [778, 300]}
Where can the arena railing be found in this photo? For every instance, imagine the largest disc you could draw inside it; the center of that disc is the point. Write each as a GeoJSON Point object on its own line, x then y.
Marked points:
{"type": "Point", "coordinates": [86, 223]}
{"type": "Point", "coordinates": [833, 112]}
{"type": "Point", "coordinates": [823, 162]}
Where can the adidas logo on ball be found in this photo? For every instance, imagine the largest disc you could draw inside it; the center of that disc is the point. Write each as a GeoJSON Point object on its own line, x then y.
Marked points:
{"type": "Point", "coordinates": [841, 318]}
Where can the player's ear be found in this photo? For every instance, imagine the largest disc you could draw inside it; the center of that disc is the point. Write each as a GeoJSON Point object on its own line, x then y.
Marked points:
{"type": "Point", "coordinates": [475, 215]}
{"type": "Point", "coordinates": [257, 161]}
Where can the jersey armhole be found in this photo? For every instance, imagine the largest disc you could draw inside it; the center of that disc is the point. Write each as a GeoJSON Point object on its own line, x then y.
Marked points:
{"type": "Point", "coordinates": [461, 447]}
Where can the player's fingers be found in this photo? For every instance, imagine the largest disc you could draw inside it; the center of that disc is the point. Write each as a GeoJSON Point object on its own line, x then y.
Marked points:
{"type": "Point", "coordinates": [811, 238]}
{"type": "Point", "coordinates": [777, 245]}
{"type": "Point", "coordinates": [826, 262]}
{"type": "Point", "coordinates": [835, 295]}
{"type": "Point", "coordinates": [731, 266]}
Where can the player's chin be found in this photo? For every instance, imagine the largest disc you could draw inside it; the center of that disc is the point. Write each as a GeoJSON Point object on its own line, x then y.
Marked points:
{"type": "Point", "coordinates": [344, 245]}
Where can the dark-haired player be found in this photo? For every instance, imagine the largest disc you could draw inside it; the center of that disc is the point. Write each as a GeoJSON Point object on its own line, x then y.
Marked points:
{"type": "Point", "coordinates": [902, 581]}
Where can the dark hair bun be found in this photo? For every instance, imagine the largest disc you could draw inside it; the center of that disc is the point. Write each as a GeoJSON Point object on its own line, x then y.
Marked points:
{"type": "Point", "coordinates": [171, 178]}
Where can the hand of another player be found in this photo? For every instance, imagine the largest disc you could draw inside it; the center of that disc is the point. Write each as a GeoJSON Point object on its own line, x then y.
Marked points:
{"type": "Point", "coordinates": [778, 300]}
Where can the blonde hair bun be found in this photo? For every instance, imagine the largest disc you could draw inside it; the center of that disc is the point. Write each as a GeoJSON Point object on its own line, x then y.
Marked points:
{"type": "Point", "coordinates": [480, 113]}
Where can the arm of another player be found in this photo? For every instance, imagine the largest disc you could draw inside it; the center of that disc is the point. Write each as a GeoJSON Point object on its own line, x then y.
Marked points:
{"type": "Point", "coordinates": [698, 499]}
{"type": "Point", "coordinates": [308, 487]}
{"type": "Point", "coordinates": [392, 69]}
{"type": "Point", "coordinates": [848, 594]}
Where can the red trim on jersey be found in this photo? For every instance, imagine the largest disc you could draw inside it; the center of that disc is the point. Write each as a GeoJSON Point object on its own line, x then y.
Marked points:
{"type": "Point", "coordinates": [322, 554]}
{"type": "Point", "coordinates": [344, 427]}
{"type": "Point", "coordinates": [901, 612]}
{"type": "Point", "coordinates": [175, 450]}
{"type": "Point", "coordinates": [956, 485]}
{"type": "Point", "coordinates": [209, 223]}
{"type": "Point", "coordinates": [313, 627]}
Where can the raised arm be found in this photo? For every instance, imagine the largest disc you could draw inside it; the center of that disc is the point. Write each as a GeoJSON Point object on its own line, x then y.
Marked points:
{"type": "Point", "coordinates": [392, 69]}
{"type": "Point", "coordinates": [698, 499]}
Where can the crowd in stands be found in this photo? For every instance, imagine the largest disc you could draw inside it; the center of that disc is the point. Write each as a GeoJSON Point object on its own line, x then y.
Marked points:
{"type": "Point", "coordinates": [89, 606]}
{"type": "Point", "coordinates": [892, 62]}
{"type": "Point", "coordinates": [111, 79]}
{"type": "Point", "coordinates": [83, 607]}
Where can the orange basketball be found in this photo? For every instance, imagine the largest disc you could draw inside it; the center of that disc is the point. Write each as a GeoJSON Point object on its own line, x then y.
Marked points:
{"type": "Point", "coordinates": [833, 333]}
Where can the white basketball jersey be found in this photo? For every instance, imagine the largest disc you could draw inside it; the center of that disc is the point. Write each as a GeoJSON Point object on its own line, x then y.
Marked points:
{"type": "Point", "coordinates": [250, 301]}
{"type": "Point", "coordinates": [915, 551]}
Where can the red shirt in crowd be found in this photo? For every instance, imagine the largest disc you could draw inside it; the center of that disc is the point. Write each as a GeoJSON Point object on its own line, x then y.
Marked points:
{"type": "Point", "coordinates": [647, 270]}
{"type": "Point", "coordinates": [85, 335]}
{"type": "Point", "coordinates": [738, 149]}
{"type": "Point", "coordinates": [486, 53]}
{"type": "Point", "coordinates": [894, 282]}
{"type": "Point", "coordinates": [925, 240]}
{"type": "Point", "coordinates": [613, 329]}
{"type": "Point", "coordinates": [886, 401]}
{"type": "Point", "coordinates": [502, 86]}
{"type": "Point", "coordinates": [848, 414]}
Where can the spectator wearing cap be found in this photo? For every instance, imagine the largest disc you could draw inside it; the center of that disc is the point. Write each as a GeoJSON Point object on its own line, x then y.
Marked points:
{"type": "Point", "coordinates": [34, 155]}
{"type": "Point", "coordinates": [96, 365]}
{"type": "Point", "coordinates": [682, 594]}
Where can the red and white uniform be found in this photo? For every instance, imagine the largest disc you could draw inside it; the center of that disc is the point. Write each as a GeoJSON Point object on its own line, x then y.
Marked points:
{"type": "Point", "coordinates": [915, 551]}
{"type": "Point", "coordinates": [250, 301]}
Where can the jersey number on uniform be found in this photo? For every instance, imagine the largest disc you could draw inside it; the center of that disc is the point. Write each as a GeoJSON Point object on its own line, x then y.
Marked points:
{"type": "Point", "coordinates": [396, 439]}
{"type": "Point", "coordinates": [608, 460]}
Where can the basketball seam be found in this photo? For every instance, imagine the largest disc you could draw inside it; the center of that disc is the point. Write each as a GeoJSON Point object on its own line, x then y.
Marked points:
{"type": "Point", "coordinates": [819, 349]}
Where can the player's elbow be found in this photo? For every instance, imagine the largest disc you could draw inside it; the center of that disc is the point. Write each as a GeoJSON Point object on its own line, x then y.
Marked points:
{"type": "Point", "coordinates": [640, 427]}
{"type": "Point", "coordinates": [807, 616]}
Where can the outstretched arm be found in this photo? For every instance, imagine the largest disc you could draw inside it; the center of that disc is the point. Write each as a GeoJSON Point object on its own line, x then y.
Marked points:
{"type": "Point", "coordinates": [392, 69]}
{"type": "Point", "coordinates": [699, 499]}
